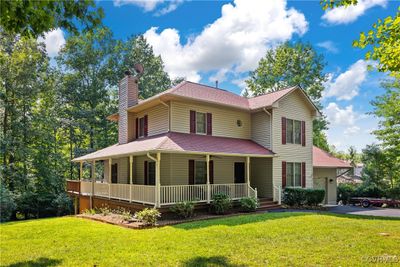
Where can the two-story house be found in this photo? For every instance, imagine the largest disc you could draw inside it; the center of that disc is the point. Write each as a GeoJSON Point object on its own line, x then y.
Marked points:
{"type": "Point", "coordinates": [192, 141]}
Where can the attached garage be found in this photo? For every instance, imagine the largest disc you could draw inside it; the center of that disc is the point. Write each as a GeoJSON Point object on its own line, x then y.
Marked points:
{"type": "Point", "coordinates": [325, 172]}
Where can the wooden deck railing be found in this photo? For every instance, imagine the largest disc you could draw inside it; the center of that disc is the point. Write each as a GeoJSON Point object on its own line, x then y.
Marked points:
{"type": "Point", "coordinates": [169, 194]}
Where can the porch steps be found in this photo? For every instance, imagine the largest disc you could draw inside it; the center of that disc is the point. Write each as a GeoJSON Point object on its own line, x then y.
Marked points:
{"type": "Point", "coordinates": [268, 204]}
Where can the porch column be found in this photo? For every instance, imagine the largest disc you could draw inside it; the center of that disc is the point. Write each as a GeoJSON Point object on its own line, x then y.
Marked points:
{"type": "Point", "coordinates": [248, 175]}
{"type": "Point", "coordinates": [208, 179]}
{"type": "Point", "coordinates": [93, 178]}
{"type": "Point", "coordinates": [130, 177]}
{"type": "Point", "coordinates": [109, 177]}
{"type": "Point", "coordinates": [158, 186]}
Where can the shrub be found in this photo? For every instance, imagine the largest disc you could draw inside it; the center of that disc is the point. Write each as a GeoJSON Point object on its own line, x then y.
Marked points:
{"type": "Point", "coordinates": [370, 190]}
{"type": "Point", "coordinates": [89, 212]}
{"type": "Point", "coordinates": [394, 193]}
{"type": "Point", "coordinates": [249, 203]}
{"type": "Point", "coordinates": [104, 210]}
{"type": "Point", "coordinates": [184, 209]}
{"type": "Point", "coordinates": [293, 196]}
{"type": "Point", "coordinates": [345, 192]}
{"type": "Point", "coordinates": [148, 216]}
{"type": "Point", "coordinates": [126, 215]}
{"type": "Point", "coordinates": [221, 203]}
{"type": "Point", "coordinates": [7, 204]}
{"type": "Point", "coordinates": [313, 197]}
{"type": "Point", "coordinates": [63, 204]}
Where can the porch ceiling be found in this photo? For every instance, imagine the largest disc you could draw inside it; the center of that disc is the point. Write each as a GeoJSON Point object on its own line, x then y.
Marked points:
{"type": "Point", "coordinates": [182, 143]}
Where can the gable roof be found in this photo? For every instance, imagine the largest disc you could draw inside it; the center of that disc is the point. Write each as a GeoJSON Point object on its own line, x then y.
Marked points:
{"type": "Point", "coordinates": [323, 159]}
{"type": "Point", "coordinates": [173, 142]}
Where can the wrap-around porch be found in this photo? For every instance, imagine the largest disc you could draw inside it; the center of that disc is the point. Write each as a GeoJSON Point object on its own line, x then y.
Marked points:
{"type": "Point", "coordinates": [162, 179]}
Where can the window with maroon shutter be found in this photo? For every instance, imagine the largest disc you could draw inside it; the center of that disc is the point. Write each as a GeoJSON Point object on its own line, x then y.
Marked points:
{"type": "Point", "coordinates": [137, 128]}
{"type": "Point", "coordinates": [283, 174]}
{"type": "Point", "coordinates": [209, 124]}
{"type": "Point", "coordinates": [211, 171]}
{"type": "Point", "coordinates": [191, 171]}
{"type": "Point", "coordinates": [146, 125]}
{"type": "Point", "coordinates": [303, 174]}
{"type": "Point", "coordinates": [192, 121]}
{"type": "Point", "coordinates": [283, 131]}
{"type": "Point", "coordinates": [303, 133]}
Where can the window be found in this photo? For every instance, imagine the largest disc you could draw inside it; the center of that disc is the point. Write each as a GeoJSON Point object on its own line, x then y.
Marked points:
{"type": "Point", "coordinates": [293, 174]}
{"type": "Point", "coordinates": [297, 132]}
{"type": "Point", "coordinates": [200, 122]}
{"type": "Point", "coordinates": [200, 172]}
{"type": "Point", "coordinates": [141, 127]}
{"type": "Point", "coordinates": [293, 131]}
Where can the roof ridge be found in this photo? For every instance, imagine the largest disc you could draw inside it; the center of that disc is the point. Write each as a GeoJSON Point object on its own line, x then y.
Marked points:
{"type": "Point", "coordinates": [217, 88]}
{"type": "Point", "coordinates": [268, 93]}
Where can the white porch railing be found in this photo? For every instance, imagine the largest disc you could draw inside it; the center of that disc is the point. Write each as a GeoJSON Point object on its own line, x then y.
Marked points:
{"type": "Point", "coordinates": [234, 191]}
{"type": "Point", "coordinates": [169, 194]}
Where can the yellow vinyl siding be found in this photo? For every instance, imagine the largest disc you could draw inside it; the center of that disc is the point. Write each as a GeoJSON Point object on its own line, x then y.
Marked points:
{"type": "Point", "coordinates": [293, 106]}
{"type": "Point", "coordinates": [157, 121]}
{"type": "Point", "coordinates": [261, 129]}
{"type": "Point", "coordinates": [261, 176]}
{"type": "Point", "coordinates": [321, 180]}
{"type": "Point", "coordinates": [224, 121]}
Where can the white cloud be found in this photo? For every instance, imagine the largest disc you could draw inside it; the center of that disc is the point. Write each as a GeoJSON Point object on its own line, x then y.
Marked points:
{"type": "Point", "coordinates": [172, 5]}
{"type": "Point", "coordinates": [353, 130]}
{"type": "Point", "coordinates": [236, 41]}
{"type": "Point", "coordinates": [54, 41]}
{"type": "Point", "coordinates": [329, 46]}
{"type": "Point", "coordinates": [347, 84]}
{"type": "Point", "coordinates": [345, 15]}
{"type": "Point", "coordinates": [147, 5]}
{"type": "Point", "coordinates": [338, 116]}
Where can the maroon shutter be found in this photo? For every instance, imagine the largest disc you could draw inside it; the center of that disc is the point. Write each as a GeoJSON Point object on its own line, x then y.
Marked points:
{"type": "Point", "coordinates": [283, 131]}
{"type": "Point", "coordinates": [283, 174]}
{"type": "Point", "coordinates": [137, 128]}
{"type": "Point", "coordinates": [192, 121]}
{"type": "Point", "coordinates": [303, 133]}
{"type": "Point", "coordinates": [146, 128]}
{"type": "Point", "coordinates": [209, 124]}
{"type": "Point", "coordinates": [191, 171]}
{"type": "Point", "coordinates": [303, 174]}
{"type": "Point", "coordinates": [211, 170]}
{"type": "Point", "coordinates": [146, 175]}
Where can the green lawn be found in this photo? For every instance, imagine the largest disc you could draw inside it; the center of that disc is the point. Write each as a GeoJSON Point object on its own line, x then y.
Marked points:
{"type": "Point", "coordinates": [253, 240]}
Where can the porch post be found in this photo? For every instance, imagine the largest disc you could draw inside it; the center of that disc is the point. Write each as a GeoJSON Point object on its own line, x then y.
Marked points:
{"type": "Point", "coordinates": [248, 175]}
{"type": "Point", "coordinates": [208, 178]}
{"type": "Point", "coordinates": [109, 177]}
{"type": "Point", "coordinates": [130, 178]}
{"type": "Point", "coordinates": [93, 178]}
{"type": "Point", "coordinates": [158, 187]}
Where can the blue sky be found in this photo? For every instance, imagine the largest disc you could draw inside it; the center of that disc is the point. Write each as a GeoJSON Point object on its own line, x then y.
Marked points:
{"type": "Point", "coordinates": [208, 40]}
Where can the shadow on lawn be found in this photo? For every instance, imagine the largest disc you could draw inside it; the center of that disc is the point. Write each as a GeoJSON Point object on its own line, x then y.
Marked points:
{"type": "Point", "coordinates": [209, 261]}
{"type": "Point", "coordinates": [239, 220]}
{"type": "Point", "coordinates": [40, 262]}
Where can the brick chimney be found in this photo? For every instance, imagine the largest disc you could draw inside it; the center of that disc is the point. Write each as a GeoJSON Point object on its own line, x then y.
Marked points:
{"type": "Point", "coordinates": [128, 97]}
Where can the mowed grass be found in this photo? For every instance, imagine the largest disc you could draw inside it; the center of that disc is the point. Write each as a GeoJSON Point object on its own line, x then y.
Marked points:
{"type": "Point", "coordinates": [275, 239]}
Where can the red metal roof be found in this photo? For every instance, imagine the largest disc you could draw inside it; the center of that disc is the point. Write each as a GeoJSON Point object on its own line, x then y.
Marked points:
{"type": "Point", "coordinates": [182, 143]}
{"type": "Point", "coordinates": [324, 159]}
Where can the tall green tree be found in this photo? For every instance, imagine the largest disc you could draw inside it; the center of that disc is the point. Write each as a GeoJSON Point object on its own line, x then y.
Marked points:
{"type": "Point", "coordinates": [288, 65]}
{"type": "Point", "coordinates": [89, 65]}
{"type": "Point", "coordinates": [32, 17]}
{"type": "Point", "coordinates": [155, 79]}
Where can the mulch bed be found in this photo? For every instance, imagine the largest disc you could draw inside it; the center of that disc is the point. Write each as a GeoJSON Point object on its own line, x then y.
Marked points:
{"type": "Point", "coordinates": [116, 219]}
